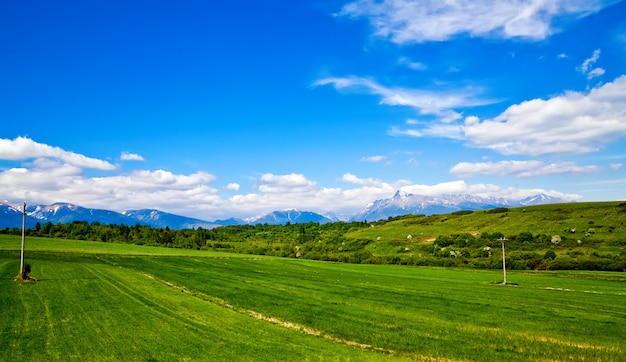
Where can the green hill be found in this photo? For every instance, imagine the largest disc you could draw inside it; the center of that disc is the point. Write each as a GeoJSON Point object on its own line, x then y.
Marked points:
{"type": "Point", "coordinates": [581, 235]}
{"type": "Point", "coordinates": [604, 221]}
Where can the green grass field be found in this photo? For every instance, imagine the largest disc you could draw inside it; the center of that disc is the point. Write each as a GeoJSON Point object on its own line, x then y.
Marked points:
{"type": "Point", "coordinates": [100, 301]}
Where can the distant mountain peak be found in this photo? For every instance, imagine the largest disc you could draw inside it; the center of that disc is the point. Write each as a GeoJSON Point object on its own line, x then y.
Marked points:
{"type": "Point", "coordinates": [293, 216]}
{"type": "Point", "coordinates": [401, 194]}
{"type": "Point", "coordinates": [402, 203]}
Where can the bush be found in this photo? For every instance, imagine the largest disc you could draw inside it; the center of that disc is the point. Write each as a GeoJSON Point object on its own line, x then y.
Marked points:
{"type": "Point", "coordinates": [498, 210]}
{"type": "Point", "coordinates": [550, 254]}
{"type": "Point", "coordinates": [563, 263]}
{"type": "Point", "coordinates": [463, 212]}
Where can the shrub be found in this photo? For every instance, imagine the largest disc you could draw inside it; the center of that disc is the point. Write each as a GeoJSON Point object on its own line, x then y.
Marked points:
{"type": "Point", "coordinates": [524, 237]}
{"type": "Point", "coordinates": [563, 263]}
{"type": "Point", "coordinates": [550, 254]}
{"type": "Point", "coordinates": [463, 212]}
{"type": "Point", "coordinates": [498, 210]}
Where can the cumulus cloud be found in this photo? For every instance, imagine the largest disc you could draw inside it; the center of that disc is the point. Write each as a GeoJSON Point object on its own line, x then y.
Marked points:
{"type": "Point", "coordinates": [348, 177]}
{"type": "Point", "coordinates": [484, 190]}
{"type": "Point", "coordinates": [50, 174]}
{"type": "Point", "coordinates": [296, 190]}
{"type": "Point", "coordinates": [291, 183]}
{"type": "Point", "coordinates": [126, 156]}
{"type": "Point", "coordinates": [23, 148]}
{"type": "Point", "coordinates": [413, 21]}
{"type": "Point", "coordinates": [232, 186]}
{"type": "Point", "coordinates": [437, 103]}
{"type": "Point", "coordinates": [570, 123]}
{"type": "Point", "coordinates": [530, 168]}
{"type": "Point", "coordinates": [574, 122]}
{"type": "Point", "coordinates": [51, 179]}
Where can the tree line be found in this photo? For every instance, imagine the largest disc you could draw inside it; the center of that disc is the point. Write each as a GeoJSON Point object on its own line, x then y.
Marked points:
{"type": "Point", "coordinates": [328, 242]}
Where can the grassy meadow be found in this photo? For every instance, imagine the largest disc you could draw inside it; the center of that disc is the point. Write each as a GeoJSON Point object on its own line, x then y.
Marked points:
{"type": "Point", "coordinates": [118, 302]}
{"type": "Point", "coordinates": [591, 222]}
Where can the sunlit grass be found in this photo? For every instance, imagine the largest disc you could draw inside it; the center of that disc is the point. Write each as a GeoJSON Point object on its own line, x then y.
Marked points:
{"type": "Point", "coordinates": [82, 308]}
{"type": "Point", "coordinates": [98, 301]}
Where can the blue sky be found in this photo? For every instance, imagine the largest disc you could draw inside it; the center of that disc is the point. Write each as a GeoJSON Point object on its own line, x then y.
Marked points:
{"type": "Point", "coordinates": [240, 108]}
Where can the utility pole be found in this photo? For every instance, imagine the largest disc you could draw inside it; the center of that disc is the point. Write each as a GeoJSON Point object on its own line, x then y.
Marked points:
{"type": "Point", "coordinates": [502, 240]}
{"type": "Point", "coordinates": [23, 237]}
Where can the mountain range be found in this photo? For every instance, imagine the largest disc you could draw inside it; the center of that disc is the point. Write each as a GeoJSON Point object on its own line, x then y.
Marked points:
{"type": "Point", "coordinates": [401, 203]}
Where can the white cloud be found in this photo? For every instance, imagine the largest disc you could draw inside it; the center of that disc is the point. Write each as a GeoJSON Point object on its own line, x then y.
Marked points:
{"type": "Point", "coordinates": [48, 180]}
{"type": "Point", "coordinates": [232, 186]}
{"type": "Point", "coordinates": [373, 159]}
{"type": "Point", "coordinates": [584, 68]}
{"type": "Point", "coordinates": [437, 103]}
{"type": "Point", "coordinates": [371, 182]}
{"type": "Point", "coordinates": [413, 21]}
{"type": "Point", "coordinates": [615, 166]}
{"type": "Point", "coordinates": [484, 190]}
{"type": "Point", "coordinates": [147, 180]}
{"type": "Point", "coordinates": [412, 162]}
{"type": "Point", "coordinates": [23, 148]}
{"type": "Point", "coordinates": [596, 72]}
{"type": "Point", "coordinates": [285, 184]}
{"type": "Point", "coordinates": [529, 168]}
{"type": "Point", "coordinates": [126, 156]}
{"type": "Point", "coordinates": [295, 190]}
{"type": "Point", "coordinates": [411, 64]}
{"type": "Point", "coordinates": [570, 123]}
{"type": "Point", "coordinates": [452, 131]}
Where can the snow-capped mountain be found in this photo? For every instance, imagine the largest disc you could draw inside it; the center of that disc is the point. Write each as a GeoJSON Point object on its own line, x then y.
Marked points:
{"type": "Point", "coordinates": [292, 216]}
{"type": "Point", "coordinates": [11, 216]}
{"type": "Point", "coordinates": [540, 199]}
{"type": "Point", "coordinates": [162, 219]}
{"type": "Point", "coordinates": [403, 203]}
{"type": "Point", "coordinates": [67, 213]}
{"type": "Point", "coordinates": [334, 217]}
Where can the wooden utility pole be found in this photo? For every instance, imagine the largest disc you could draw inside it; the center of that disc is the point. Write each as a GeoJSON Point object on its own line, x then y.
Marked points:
{"type": "Point", "coordinates": [502, 240]}
{"type": "Point", "coordinates": [23, 237]}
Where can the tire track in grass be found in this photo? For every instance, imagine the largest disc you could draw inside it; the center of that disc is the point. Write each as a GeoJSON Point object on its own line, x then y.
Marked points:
{"type": "Point", "coordinates": [71, 285]}
{"type": "Point", "coordinates": [9, 312]}
{"type": "Point", "coordinates": [277, 321]}
{"type": "Point", "coordinates": [294, 326]}
{"type": "Point", "coordinates": [204, 298]}
{"type": "Point", "coordinates": [141, 300]}
{"type": "Point", "coordinates": [138, 301]}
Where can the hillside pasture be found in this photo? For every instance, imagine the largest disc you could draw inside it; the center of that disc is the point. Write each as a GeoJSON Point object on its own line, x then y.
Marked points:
{"type": "Point", "coordinates": [606, 220]}
{"type": "Point", "coordinates": [122, 302]}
